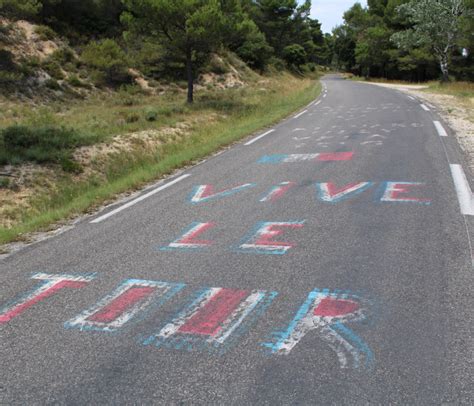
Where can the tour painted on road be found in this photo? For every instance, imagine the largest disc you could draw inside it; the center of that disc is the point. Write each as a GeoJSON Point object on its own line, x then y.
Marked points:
{"type": "Point", "coordinates": [213, 319]}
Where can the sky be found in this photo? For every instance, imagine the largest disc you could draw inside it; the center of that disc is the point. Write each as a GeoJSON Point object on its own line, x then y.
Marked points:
{"type": "Point", "coordinates": [329, 12]}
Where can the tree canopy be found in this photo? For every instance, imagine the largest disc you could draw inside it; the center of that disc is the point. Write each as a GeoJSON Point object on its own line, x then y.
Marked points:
{"type": "Point", "coordinates": [402, 39]}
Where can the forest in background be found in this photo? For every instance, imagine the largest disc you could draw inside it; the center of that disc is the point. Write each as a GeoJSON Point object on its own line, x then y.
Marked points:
{"type": "Point", "coordinates": [174, 40]}
{"type": "Point", "coordinates": [365, 43]}
{"type": "Point", "coordinates": [164, 40]}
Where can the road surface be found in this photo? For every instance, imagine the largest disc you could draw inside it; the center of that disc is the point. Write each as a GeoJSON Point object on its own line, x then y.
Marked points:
{"type": "Point", "coordinates": [326, 261]}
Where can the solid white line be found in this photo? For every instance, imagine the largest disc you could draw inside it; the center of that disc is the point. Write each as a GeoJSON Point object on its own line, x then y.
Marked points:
{"type": "Point", "coordinates": [139, 199]}
{"type": "Point", "coordinates": [463, 190]}
{"type": "Point", "coordinates": [257, 138]}
{"type": "Point", "coordinates": [441, 131]}
{"type": "Point", "coordinates": [424, 107]}
{"type": "Point", "coordinates": [300, 114]}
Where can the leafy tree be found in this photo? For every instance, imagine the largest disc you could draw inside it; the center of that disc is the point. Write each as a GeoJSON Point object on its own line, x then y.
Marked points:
{"type": "Point", "coordinates": [436, 23]}
{"type": "Point", "coordinates": [371, 51]}
{"type": "Point", "coordinates": [243, 36]}
{"type": "Point", "coordinates": [108, 59]}
{"type": "Point", "coordinates": [294, 55]}
{"type": "Point", "coordinates": [187, 28]}
{"type": "Point", "coordinates": [20, 8]}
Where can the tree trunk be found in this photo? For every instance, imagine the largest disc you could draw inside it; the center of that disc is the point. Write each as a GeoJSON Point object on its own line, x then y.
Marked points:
{"type": "Point", "coordinates": [443, 64]}
{"type": "Point", "coordinates": [189, 74]}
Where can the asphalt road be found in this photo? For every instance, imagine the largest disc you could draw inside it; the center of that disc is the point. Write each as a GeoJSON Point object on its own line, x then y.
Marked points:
{"type": "Point", "coordinates": [327, 262]}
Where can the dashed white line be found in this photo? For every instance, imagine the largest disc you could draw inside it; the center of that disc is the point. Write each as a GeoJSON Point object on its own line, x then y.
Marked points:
{"type": "Point", "coordinates": [411, 98]}
{"type": "Point", "coordinates": [315, 104]}
{"type": "Point", "coordinates": [300, 114]}
{"type": "Point", "coordinates": [139, 199]}
{"type": "Point", "coordinates": [439, 127]}
{"type": "Point", "coordinates": [463, 190]}
{"type": "Point", "coordinates": [424, 107]}
{"type": "Point", "coordinates": [257, 138]}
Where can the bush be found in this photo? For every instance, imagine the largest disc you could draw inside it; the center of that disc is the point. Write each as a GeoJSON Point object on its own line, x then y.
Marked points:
{"type": "Point", "coordinates": [277, 64]}
{"type": "Point", "coordinates": [41, 144]}
{"type": "Point", "coordinates": [63, 55]}
{"type": "Point", "coordinates": [53, 69]}
{"type": "Point", "coordinates": [132, 118]}
{"type": "Point", "coordinates": [4, 183]}
{"type": "Point", "coordinates": [109, 61]}
{"type": "Point", "coordinates": [45, 33]}
{"type": "Point", "coordinates": [73, 80]}
{"type": "Point", "coordinates": [52, 84]}
{"type": "Point", "coordinates": [217, 65]}
{"type": "Point", "coordinates": [7, 78]}
{"type": "Point", "coordinates": [151, 115]}
{"type": "Point", "coordinates": [255, 51]}
{"type": "Point", "coordinates": [294, 55]}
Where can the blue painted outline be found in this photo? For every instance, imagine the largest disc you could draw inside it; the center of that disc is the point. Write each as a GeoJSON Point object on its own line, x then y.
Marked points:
{"type": "Point", "coordinates": [338, 327]}
{"type": "Point", "coordinates": [272, 159]}
{"type": "Point", "coordinates": [345, 197]}
{"type": "Point", "coordinates": [217, 195]}
{"type": "Point", "coordinates": [356, 341]}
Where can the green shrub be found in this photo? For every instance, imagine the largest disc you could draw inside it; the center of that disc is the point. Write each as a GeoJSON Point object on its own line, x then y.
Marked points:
{"type": "Point", "coordinates": [151, 115]}
{"type": "Point", "coordinates": [45, 33]}
{"type": "Point", "coordinates": [70, 166]}
{"type": "Point", "coordinates": [63, 55]}
{"type": "Point", "coordinates": [130, 90]}
{"type": "Point", "coordinates": [4, 183]}
{"type": "Point", "coordinates": [276, 64]}
{"type": "Point", "coordinates": [132, 118]}
{"type": "Point", "coordinates": [108, 60]}
{"type": "Point", "coordinates": [52, 84]}
{"type": "Point", "coordinates": [53, 69]}
{"type": "Point", "coordinates": [129, 101]}
{"type": "Point", "coordinates": [7, 78]}
{"type": "Point", "coordinates": [73, 80]}
{"type": "Point", "coordinates": [41, 144]}
{"type": "Point", "coordinates": [294, 55]}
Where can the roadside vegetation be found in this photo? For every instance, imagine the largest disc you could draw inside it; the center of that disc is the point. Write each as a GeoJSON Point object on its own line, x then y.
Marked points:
{"type": "Point", "coordinates": [100, 97]}
{"type": "Point", "coordinates": [164, 134]}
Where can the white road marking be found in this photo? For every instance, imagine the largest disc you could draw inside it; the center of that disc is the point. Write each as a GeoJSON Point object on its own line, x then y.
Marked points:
{"type": "Point", "coordinates": [411, 98]}
{"type": "Point", "coordinates": [463, 190]}
{"type": "Point", "coordinates": [257, 138]}
{"type": "Point", "coordinates": [424, 107]}
{"type": "Point", "coordinates": [441, 131]}
{"type": "Point", "coordinates": [300, 114]}
{"type": "Point", "coordinates": [139, 199]}
{"type": "Point", "coordinates": [315, 104]}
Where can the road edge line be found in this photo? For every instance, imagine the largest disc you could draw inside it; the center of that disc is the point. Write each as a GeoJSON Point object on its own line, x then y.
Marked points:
{"type": "Point", "coordinates": [138, 199]}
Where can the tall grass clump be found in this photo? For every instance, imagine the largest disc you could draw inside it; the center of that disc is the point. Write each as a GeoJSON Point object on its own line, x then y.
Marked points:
{"type": "Point", "coordinates": [43, 144]}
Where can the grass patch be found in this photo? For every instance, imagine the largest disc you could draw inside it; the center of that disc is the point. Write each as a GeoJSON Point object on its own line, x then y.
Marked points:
{"type": "Point", "coordinates": [458, 89]}
{"type": "Point", "coordinates": [240, 112]}
{"type": "Point", "coordinates": [43, 144]}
